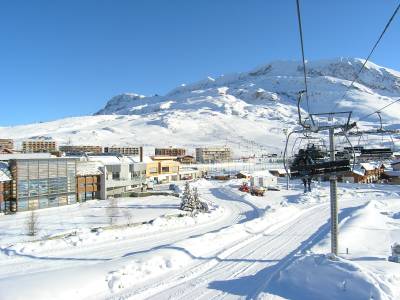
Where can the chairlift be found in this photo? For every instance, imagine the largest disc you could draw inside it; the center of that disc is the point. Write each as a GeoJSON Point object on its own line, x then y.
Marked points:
{"type": "Point", "coordinates": [374, 147]}
{"type": "Point", "coordinates": [314, 160]}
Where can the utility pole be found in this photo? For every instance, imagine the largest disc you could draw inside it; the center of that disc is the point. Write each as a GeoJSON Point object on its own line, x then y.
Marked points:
{"type": "Point", "coordinates": [286, 132]}
{"type": "Point", "coordinates": [333, 194]}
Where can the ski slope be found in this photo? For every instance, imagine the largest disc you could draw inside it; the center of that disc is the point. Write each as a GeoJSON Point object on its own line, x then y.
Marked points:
{"type": "Point", "coordinates": [250, 248]}
{"type": "Point", "coordinates": [246, 111]}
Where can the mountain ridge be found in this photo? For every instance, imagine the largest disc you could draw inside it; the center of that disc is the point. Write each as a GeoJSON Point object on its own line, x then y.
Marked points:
{"type": "Point", "coordinates": [247, 111]}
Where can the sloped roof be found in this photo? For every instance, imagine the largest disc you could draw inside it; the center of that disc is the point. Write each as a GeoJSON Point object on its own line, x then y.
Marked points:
{"type": "Point", "coordinates": [359, 171]}
{"type": "Point", "coordinates": [367, 166]}
{"type": "Point", "coordinates": [392, 173]}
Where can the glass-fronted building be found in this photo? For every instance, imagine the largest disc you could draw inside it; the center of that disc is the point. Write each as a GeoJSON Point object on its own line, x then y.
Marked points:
{"type": "Point", "coordinates": [41, 183]}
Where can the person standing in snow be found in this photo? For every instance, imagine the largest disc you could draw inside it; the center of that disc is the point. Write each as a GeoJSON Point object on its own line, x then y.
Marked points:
{"type": "Point", "coordinates": [307, 184]}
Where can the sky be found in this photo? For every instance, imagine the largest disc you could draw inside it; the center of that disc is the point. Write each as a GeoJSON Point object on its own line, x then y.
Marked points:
{"type": "Point", "coordinates": [67, 58]}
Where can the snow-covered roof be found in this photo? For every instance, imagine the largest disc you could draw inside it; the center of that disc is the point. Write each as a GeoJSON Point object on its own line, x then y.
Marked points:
{"type": "Point", "coordinates": [147, 159]}
{"type": "Point", "coordinates": [244, 173]}
{"type": "Point", "coordinates": [359, 171]}
{"type": "Point", "coordinates": [368, 166]}
{"type": "Point", "coordinates": [263, 173]}
{"type": "Point", "coordinates": [395, 162]}
{"type": "Point", "coordinates": [5, 174]}
{"type": "Point", "coordinates": [24, 156]}
{"type": "Point", "coordinates": [105, 159]}
{"type": "Point", "coordinates": [392, 173]}
{"type": "Point", "coordinates": [279, 171]}
{"type": "Point", "coordinates": [133, 158]}
{"type": "Point", "coordinates": [84, 168]}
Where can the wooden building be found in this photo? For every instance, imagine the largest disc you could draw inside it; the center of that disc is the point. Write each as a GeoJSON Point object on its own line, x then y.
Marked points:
{"type": "Point", "coordinates": [88, 183]}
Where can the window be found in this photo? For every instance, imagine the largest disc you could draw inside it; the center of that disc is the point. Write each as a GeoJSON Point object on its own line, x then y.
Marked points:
{"type": "Point", "coordinates": [22, 187]}
{"type": "Point", "coordinates": [165, 169]}
{"type": "Point", "coordinates": [53, 201]}
{"type": "Point", "coordinates": [115, 175]}
{"type": "Point", "coordinates": [22, 204]}
{"type": "Point", "coordinates": [71, 199]}
{"type": "Point", "coordinates": [153, 170]}
{"type": "Point", "coordinates": [43, 202]}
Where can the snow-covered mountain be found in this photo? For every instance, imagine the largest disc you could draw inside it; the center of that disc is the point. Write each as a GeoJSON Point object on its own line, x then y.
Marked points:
{"type": "Point", "coordinates": [247, 111]}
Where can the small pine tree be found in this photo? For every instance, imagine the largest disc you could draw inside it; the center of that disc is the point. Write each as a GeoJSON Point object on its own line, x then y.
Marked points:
{"type": "Point", "coordinates": [186, 198]}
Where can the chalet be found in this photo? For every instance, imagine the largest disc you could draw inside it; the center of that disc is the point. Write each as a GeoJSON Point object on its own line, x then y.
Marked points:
{"type": "Point", "coordinates": [364, 173]}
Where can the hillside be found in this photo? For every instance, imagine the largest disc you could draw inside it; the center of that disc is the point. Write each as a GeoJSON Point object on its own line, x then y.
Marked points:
{"type": "Point", "coordinates": [247, 111]}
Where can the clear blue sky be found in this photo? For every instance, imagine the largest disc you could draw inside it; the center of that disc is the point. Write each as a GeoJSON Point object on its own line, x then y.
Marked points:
{"type": "Point", "coordinates": [66, 58]}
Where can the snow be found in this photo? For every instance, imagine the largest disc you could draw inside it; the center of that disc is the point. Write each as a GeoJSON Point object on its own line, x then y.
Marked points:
{"type": "Point", "coordinates": [228, 108]}
{"type": "Point", "coordinates": [392, 173]}
{"type": "Point", "coordinates": [88, 168]}
{"type": "Point", "coordinates": [367, 166]}
{"type": "Point", "coordinates": [247, 247]}
{"type": "Point", "coordinates": [316, 276]}
{"type": "Point", "coordinates": [366, 233]}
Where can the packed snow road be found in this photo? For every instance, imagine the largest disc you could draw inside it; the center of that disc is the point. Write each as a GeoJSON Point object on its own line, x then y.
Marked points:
{"type": "Point", "coordinates": [235, 210]}
{"type": "Point", "coordinates": [234, 255]}
{"type": "Point", "coordinates": [245, 271]}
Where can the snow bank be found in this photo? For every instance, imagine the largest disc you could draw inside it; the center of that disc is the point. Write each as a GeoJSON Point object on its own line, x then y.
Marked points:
{"type": "Point", "coordinates": [141, 270]}
{"type": "Point", "coordinates": [365, 232]}
{"type": "Point", "coordinates": [85, 236]}
{"type": "Point", "coordinates": [315, 276]}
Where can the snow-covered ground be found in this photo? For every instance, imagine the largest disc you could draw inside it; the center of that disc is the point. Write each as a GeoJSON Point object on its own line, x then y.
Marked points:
{"type": "Point", "coordinates": [247, 247]}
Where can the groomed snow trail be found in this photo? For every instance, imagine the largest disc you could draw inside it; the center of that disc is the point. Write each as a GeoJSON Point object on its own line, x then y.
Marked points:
{"type": "Point", "coordinates": [244, 272]}
{"type": "Point", "coordinates": [236, 210]}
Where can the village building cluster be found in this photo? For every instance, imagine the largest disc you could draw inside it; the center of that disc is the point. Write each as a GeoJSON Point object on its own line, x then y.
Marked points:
{"type": "Point", "coordinates": [44, 174]}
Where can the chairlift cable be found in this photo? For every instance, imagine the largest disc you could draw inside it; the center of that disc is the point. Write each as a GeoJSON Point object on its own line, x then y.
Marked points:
{"type": "Point", "coordinates": [379, 110]}
{"type": "Point", "coordinates": [302, 53]}
{"type": "Point", "coordinates": [370, 54]}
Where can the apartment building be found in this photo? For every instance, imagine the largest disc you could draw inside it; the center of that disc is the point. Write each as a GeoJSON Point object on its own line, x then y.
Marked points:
{"type": "Point", "coordinates": [41, 183]}
{"type": "Point", "coordinates": [170, 151]}
{"type": "Point", "coordinates": [213, 154]}
{"type": "Point", "coordinates": [129, 151]}
{"type": "Point", "coordinates": [162, 169]}
{"type": "Point", "coordinates": [6, 144]}
{"type": "Point", "coordinates": [39, 145]}
{"type": "Point", "coordinates": [81, 149]}
{"type": "Point", "coordinates": [120, 174]}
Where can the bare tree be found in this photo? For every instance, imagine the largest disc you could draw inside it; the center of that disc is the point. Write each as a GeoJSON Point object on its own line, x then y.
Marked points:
{"type": "Point", "coordinates": [32, 224]}
{"type": "Point", "coordinates": [129, 217]}
{"type": "Point", "coordinates": [112, 210]}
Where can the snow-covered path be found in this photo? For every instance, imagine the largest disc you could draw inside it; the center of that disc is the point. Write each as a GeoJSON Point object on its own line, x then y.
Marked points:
{"type": "Point", "coordinates": [235, 211]}
{"type": "Point", "coordinates": [234, 256]}
{"type": "Point", "coordinates": [246, 271]}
